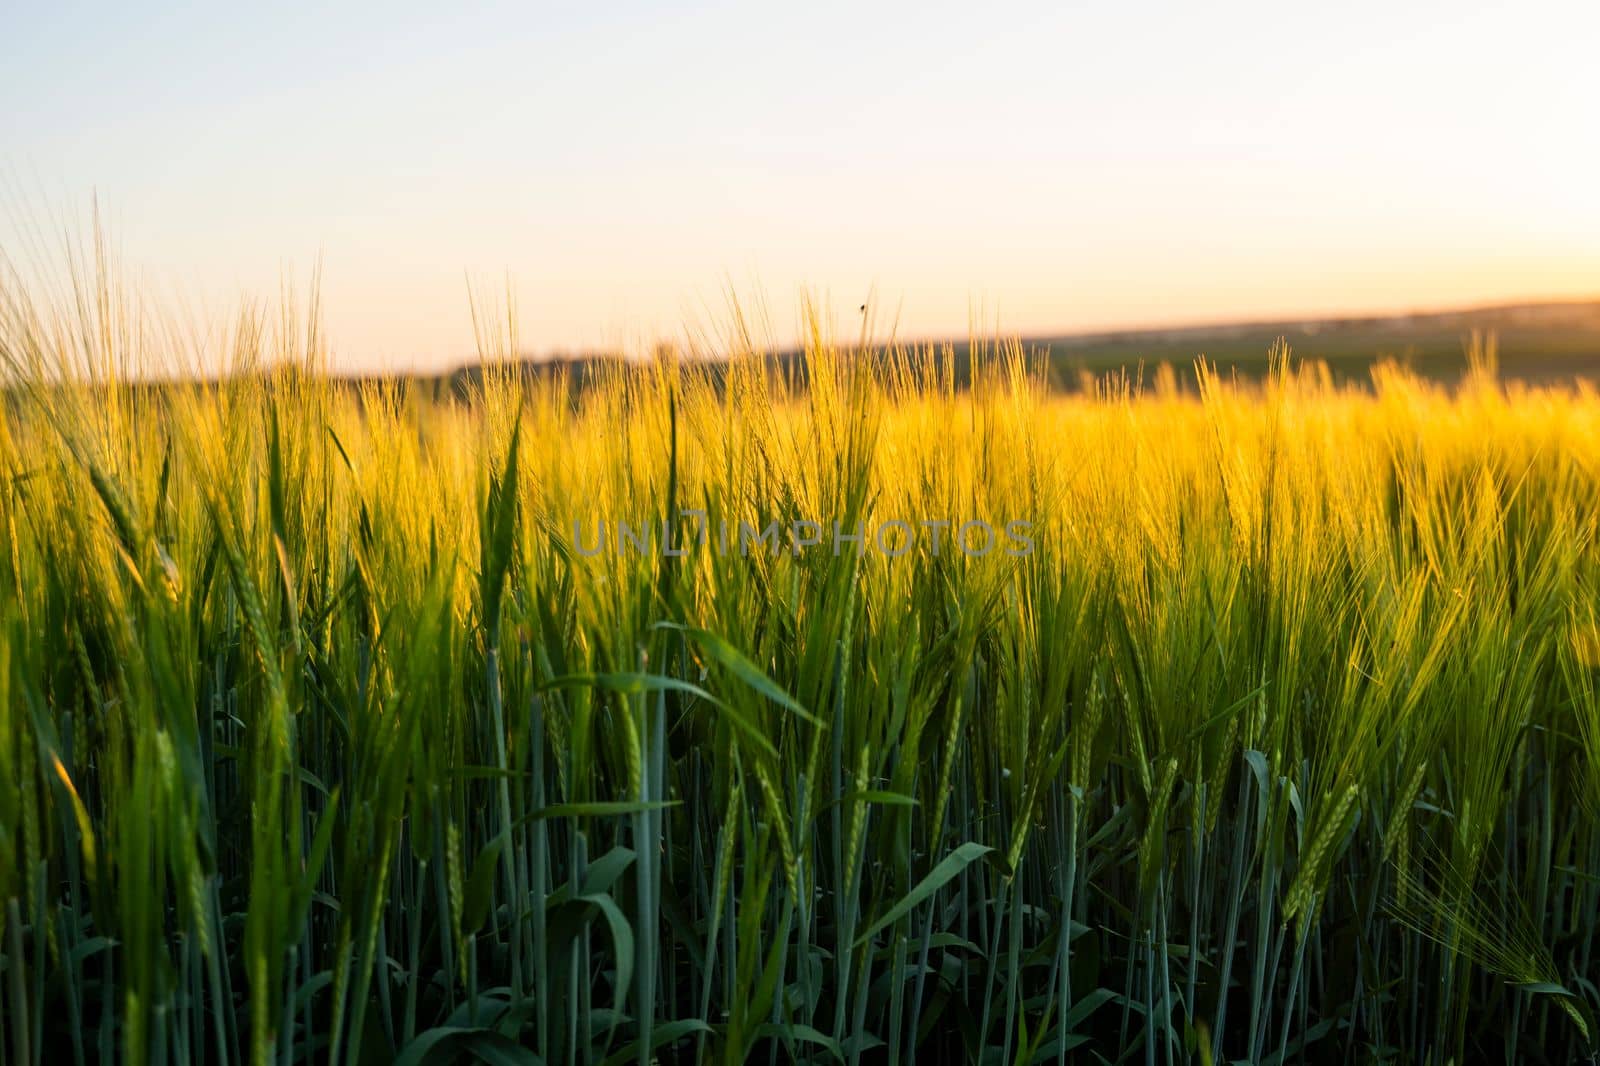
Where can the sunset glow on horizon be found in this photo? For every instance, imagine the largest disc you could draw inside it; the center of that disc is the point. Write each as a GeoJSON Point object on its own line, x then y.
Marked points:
{"type": "Point", "coordinates": [1044, 168]}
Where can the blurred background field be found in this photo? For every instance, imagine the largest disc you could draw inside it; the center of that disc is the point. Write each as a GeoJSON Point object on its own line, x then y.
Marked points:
{"type": "Point", "coordinates": [1537, 343]}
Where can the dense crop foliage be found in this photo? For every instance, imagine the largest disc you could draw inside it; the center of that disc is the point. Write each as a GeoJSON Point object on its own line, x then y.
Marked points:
{"type": "Point", "coordinates": [320, 738]}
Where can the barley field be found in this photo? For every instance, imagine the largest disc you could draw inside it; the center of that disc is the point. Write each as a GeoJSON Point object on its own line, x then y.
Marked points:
{"type": "Point", "coordinates": [1262, 724]}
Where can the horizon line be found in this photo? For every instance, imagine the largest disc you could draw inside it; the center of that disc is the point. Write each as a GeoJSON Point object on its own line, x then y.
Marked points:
{"type": "Point", "coordinates": [1070, 337]}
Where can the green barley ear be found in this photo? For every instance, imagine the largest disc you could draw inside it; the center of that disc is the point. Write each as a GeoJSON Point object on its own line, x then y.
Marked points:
{"type": "Point", "coordinates": [456, 892]}
{"type": "Point", "coordinates": [1227, 754]}
{"type": "Point", "coordinates": [1152, 846]}
{"type": "Point", "coordinates": [1400, 816]}
{"type": "Point", "coordinates": [779, 817]}
{"type": "Point", "coordinates": [858, 809]}
{"type": "Point", "coordinates": [1311, 879]}
{"type": "Point", "coordinates": [730, 836]}
{"type": "Point", "coordinates": [1085, 732]}
{"type": "Point", "coordinates": [80, 814]}
{"type": "Point", "coordinates": [498, 536]}
{"type": "Point", "coordinates": [118, 508]}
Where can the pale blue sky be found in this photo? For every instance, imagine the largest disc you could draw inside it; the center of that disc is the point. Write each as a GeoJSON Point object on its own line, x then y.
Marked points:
{"type": "Point", "coordinates": [1060, 166]}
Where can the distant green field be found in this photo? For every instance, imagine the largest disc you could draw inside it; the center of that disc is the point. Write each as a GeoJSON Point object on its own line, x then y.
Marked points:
{"type": "Point", "coordinates": [1536, 343]}
{"type": "Point", "coordinates": [1544, 343]}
